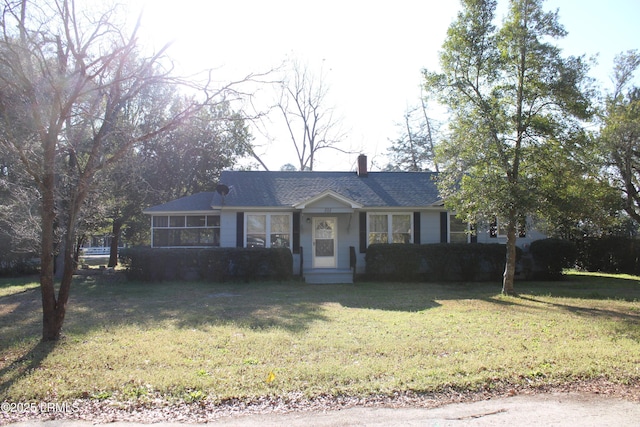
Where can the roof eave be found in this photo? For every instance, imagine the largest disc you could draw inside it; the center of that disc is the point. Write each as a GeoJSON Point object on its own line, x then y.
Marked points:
{"type": "Point", "coordinates": [330, 194]}
{"type": "Point", "coordinates": [212, 211]}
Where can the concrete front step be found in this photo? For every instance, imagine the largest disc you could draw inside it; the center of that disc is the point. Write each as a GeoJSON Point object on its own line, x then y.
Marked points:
{"type": "Point", "coordinates": [328, 276]}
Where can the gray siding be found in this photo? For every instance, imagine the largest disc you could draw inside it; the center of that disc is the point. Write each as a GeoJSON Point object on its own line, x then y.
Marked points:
{"type": "Point", "coordinates": [228, 229]}
{"type": "Point", "coordinates": [429, 227]}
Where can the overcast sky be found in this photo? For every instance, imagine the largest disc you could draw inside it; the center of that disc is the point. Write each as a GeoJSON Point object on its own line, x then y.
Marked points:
{"type": "Point", "coordinates": [372, 52]}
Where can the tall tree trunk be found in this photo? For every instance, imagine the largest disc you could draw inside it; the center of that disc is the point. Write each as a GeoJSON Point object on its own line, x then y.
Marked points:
{"type": "Point", "coordinates": [51, 322]}
{"type": "Point", "coordinates": [115, 239]}
{"type": "Point", "coordinates": [76, 253]}
{"type": "Point", "coordinates": [514, 174]}
{"type": "Point", "coordinates": [54, 308]}
{"type": "Point", "coordinates": [510, 264]}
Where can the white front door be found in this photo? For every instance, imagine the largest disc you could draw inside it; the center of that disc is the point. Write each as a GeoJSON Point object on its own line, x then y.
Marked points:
{"type": "Point", "coordinates": [325, 236]}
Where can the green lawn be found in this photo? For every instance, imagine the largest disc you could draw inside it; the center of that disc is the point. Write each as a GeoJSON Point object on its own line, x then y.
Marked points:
{"type": "Point", "coordinates": [217, 341]}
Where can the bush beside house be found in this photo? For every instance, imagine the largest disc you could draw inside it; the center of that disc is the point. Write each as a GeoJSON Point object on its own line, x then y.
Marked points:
{"type": "Point", "coordinates": [436, 262]}
{"type": "Point", "coordinates": [551, 256]}
{"type": "Point", "coordinates": [546, 259]}
{"type": "Point", "coordinates": [210, 264]}
{"type": "Point", "coordinates": [611, 254]}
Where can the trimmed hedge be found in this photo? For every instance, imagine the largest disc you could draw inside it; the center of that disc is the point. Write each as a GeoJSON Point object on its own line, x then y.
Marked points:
{"type": "Point", "coordinates": [551, 256]}
{"type": "Point", "coordinates": [208, 264]}
{"type": "Point", "coordinates": [610, 254]}
{"type": "Point", "coordinates": [436, 262]}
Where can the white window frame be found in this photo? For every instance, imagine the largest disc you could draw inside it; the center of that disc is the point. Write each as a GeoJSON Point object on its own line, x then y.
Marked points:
{"type": "Point", "coordinates": [267, 243]}
{"type": "Point", "coordinates": [185, 227]}
{"type": "Point", "coordinates": [467, 233]}
{"type": "Point", "coordinates": [390, 224]}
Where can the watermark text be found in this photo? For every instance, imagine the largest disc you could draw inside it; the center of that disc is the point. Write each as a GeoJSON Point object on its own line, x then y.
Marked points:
{"type": "Point", "coordinates": [38, 407]}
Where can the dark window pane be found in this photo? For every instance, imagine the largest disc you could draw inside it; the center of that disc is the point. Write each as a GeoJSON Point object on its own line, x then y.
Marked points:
{"type": "Point", "coordinates": [160, 221]}
{"type": "Point", "coordinates": [174, 237]}
{"type": "Point", "coordinates": [256, 240]}
{"type": "Point", "coordinates": [160, 238]}
{"type": "Point", "coordinates": [195, 221]}
{"type": "Point", "coordinates": [189, 237]}
{"type": "Point", "coordinates": [279, 240]}
{"type": "Point", "coordinates": [176, 221]}
{"type": "Point", "coordinates": [213, 221]}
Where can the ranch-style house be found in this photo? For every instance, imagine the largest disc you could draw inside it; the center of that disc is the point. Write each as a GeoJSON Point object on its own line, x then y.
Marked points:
{"type": "Point", "coordinates": [325, 218]}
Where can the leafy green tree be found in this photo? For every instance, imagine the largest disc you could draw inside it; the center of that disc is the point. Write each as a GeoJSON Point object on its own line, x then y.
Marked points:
{"type": "Point", "coordinates": [620, 133]}
{"type": "Point", "coordinates": [181, 162]}
{"type": "Point", "coordinates": [511, 94]}
{"type": "Point", "coordinates": [189, 159]}
{"type": "Point", "coordinates": [574, 201]}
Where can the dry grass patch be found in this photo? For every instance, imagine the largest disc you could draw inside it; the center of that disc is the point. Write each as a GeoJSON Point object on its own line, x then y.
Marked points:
{"type": "Point", "coordinates": [192, 341]}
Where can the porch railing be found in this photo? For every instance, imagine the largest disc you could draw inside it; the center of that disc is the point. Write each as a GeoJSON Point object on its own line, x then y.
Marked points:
{"type": "Point", "coordinates": [301, 262]}
{"type": "Point", "coordinates": [352, 261]}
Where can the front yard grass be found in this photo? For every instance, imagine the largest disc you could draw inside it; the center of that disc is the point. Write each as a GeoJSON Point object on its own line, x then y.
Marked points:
{"type": "Point", "coordinates": [194, 341]}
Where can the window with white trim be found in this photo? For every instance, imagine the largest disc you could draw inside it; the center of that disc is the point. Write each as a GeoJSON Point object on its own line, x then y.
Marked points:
{"type": "Point", "coordinates": [458, 230]}
{"type": "Point", "coordinates": [268, 230]}
{"type": "Point", "coordinates": [185, 231]}
{"type": "Point", "coordinates": [389, 228]}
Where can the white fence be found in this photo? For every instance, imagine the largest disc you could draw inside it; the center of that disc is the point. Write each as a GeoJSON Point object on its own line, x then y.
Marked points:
{"type": "Point", "coordinates": [96, 250]}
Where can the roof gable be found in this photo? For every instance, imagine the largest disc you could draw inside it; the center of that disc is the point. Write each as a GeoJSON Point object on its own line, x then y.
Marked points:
{"type": "Point", "coordinates": [291, 189]}
{"type": "Point", "coordinates": [327, 199]}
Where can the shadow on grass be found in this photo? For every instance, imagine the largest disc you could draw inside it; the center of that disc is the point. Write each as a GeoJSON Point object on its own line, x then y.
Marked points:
{"type": "Point", "coordinates": [102, 303]}
{"type": "Point", "coordinates": [20, 316]}
{"type": "Point", "coordinates": [290, 306]}
{"type": "Point", "coordinates": [628, 324]}
{"type": "Point", "coordinates": [585, 311]}
{"type": "Point", "coordinates": [19, 368]}
{"type": "Point", "coordinates": [589, 286]}
{"type": "Point", "coordinates": [20, 323]}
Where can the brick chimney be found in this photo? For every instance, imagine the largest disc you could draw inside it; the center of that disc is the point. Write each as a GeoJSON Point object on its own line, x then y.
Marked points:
{"type": "Point", "coordinates": [362, 166]}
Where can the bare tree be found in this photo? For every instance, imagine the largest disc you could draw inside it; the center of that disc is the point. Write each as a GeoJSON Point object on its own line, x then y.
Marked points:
{"type": "Point", "coordinates": [310, 122]}
{"type": "Point", "coordinates": [414, 149]}
{"type": "Point", "coordinates": [429, 134]}
{"type": "Point", "coordinates": [74, 92]}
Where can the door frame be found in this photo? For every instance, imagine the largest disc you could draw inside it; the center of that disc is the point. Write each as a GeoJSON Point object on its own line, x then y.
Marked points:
{"type": "Point", "coordinates": [314, 258]}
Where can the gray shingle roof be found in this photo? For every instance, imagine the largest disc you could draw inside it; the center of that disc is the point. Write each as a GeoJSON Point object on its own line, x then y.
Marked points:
{"type": "Point", "coordinates": [195, 202]}
{"type": "Point", "coordinates": [285, 189]}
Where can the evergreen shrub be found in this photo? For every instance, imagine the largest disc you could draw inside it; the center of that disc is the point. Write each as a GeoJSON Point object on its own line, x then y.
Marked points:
{"type": "Point", "coordinates": [610, 254]}
{"type": "Point", "coordinates": [551, 256]}
{"type": "Point", "coordinates": [436, 262]}
{"type": "Point", "coordinates": [207, 264]}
